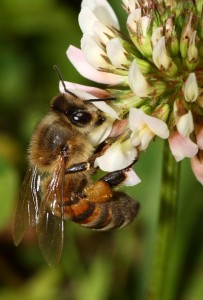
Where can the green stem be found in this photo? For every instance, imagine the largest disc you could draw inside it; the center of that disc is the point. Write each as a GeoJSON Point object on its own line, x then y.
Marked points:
{"type": "Point", "coordinates": [166, 227]}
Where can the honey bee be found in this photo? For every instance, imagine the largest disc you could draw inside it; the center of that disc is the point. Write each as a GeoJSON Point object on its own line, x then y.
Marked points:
{"type": "Point", "coordinates": [58, 185]}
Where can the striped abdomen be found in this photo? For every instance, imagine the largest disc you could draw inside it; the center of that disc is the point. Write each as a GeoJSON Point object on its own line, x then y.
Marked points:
{"type": "Point", "coordinates": [116, 212]}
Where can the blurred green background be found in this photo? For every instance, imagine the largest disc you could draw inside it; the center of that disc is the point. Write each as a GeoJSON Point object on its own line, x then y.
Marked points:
{"type": "Point", "coordinates": [34, 35]}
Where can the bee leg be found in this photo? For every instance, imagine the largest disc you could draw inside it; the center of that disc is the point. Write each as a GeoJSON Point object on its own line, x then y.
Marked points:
{"type": "Point", "coordinates": [114, 178]}
{"type": "Point", "coordinates": [80, 167]}
{"type": "Point", "coordinates": [87, 165]}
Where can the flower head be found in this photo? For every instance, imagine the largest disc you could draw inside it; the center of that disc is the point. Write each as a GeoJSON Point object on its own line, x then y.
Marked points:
{"type": "Point", "coordinates": [155, 75]}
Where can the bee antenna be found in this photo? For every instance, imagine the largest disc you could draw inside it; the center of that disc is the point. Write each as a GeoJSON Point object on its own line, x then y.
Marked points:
{"type": "Point", "coordinates": [56, 69]}
{"type": "Point", "coordinates": [102, 99]}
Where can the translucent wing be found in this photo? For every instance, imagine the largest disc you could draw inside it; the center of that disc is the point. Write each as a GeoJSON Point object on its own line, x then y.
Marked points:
{"type": "Point", "coordinates": [50, 226]}
{"type": "Point", "coordinates": [28, 204]}
{"type": "Point", "coordinates": [50, 231]}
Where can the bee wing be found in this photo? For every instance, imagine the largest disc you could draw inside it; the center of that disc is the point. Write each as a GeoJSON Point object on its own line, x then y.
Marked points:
{"type": "Point", "coordinates": [50, 231]}
{"type": "Point", "coordinates": [50, 228]}
{"type": "Point", "coordinates": [28, 204]}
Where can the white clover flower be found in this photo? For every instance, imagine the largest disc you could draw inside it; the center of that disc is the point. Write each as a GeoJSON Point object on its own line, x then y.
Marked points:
{"type": "Point", "coordinates": [119, 156]}
{"type": "Point", "coordinates": [155, 69]}
{"type": "Point", "coordinates": [145, 127]}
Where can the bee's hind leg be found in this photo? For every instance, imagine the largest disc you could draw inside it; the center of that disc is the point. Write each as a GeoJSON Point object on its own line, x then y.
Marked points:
{"type": "Point", "coordinates": [114, 178]}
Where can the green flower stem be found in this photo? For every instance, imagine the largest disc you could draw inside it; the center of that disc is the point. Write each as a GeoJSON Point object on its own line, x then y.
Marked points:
{"type": "Point", "coordinates": [166, 227]}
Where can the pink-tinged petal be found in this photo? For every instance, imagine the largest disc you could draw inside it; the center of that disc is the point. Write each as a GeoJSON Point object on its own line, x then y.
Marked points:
{"type": "Point", "coordinates": [119, 127]}
{"type": "Point", "coordinates": [138, 118]}
{"type": "Point", "coordinates": [119, 156]}
{"type": "Point", "coordinates": [199, 135]}
{"type": "Point", "coordinates": [131, 178]}
{"type": "Point", "coordinates": [76, 57]}
{"type": "Point", "coordinates": [182, 146]}
{"type": "Point", "coordinates": [102, 11]}
{"type": "Point", "coordinates": [99, 93]}
{"type": "Point", "coordinates": [197, 166]}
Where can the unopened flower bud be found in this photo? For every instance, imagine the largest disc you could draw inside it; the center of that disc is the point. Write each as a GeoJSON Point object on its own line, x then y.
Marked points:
{"type": "Point", "coordinates": [117, 54]}
{"type": "Point", "coordinates": [186, 34]}
{"type": "Point", "coordinates": [141, 34]}
{"type": "Point", "coordinates": [192, 53]}
{"type": "Point", "coordinates": [162, 112]}
{"type": "Point", "coordinates": [171, 37]}
{"type": "Point", "coordinates": [138, 83]}
{"type": "Point", "coordinates": [162, 59]}
{"type": "Point", "coordinates": [190, 88]}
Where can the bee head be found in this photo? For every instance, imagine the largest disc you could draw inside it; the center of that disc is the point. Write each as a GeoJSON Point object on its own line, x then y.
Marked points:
{"type": "Point", "coordinates": [80, 113]}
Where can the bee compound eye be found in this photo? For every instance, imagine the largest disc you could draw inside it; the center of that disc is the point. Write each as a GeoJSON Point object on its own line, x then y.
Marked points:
{"type": "Point", "coordinates": [81, 118]}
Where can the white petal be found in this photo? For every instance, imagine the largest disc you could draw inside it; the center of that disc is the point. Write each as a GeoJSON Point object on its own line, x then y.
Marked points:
{"type": "Point", "coordinates": [185, 124]}
{"type": "Point", "coordinates": [146, 137]}
{"type": "Point", "coordinates": [86, 19]}
{"type": "Point", "coordinates": [100, 133]}
{"type": "Point", "coordinates": [116, 53]}
{"type": "Point", "coordinates": [156, 35]}
{"type": "Point", "coordinates": [182, 146]}
{"type": "Point", "coordinates": [117, 157]}
{"type": "Point", "coordinates": [90, 25]}
{"type": "Point", "coordinates": [93, 52]}
{"type": "Point", "coordinates": [138, 83]}
{"type": "Point", "coordinates": [125, 2]}
{"type": "Point", "coordinates": [102, 33]}
{"type": "Point", "coordinates": [138, 118]}
{"type": "Point", "coordinates": [131, 178]}
{"type": "Point", "coordinates": [102, 11]}
{"type": "Point", "coordinates": [103, 106]}
{"type": "Point", "coordinates": [93, 91]}
{"type": "Point", "coordinates": [190, 88]}
{"type": "Point", "coordinates": [145, 22]}
{"type": "Point", "coordinates": [132, 4]}
{"type": "Point", "coordinates": [160, 55]}
{"type": "Point", "coordinates": [157, 126]}
{"type": "Point", "coordinates": [132, 19]}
